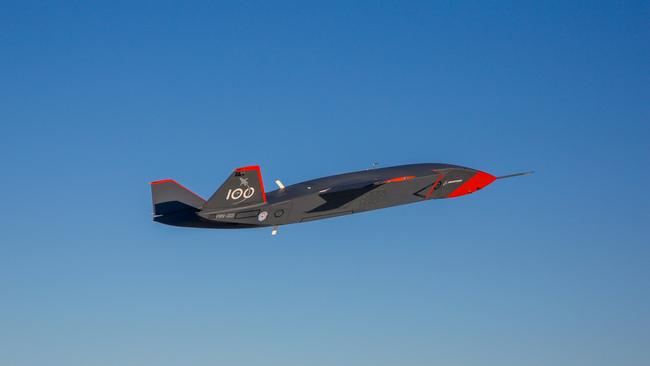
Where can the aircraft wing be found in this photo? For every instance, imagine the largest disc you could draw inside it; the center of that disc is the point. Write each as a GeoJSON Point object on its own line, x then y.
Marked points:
{"type": "Point", "coordinates": [340, 195]}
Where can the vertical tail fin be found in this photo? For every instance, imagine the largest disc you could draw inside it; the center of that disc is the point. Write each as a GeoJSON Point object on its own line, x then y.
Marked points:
{"type": "Point", "coordinates": [170, 197]}
{"type": "Point", "coordinates": [243, 188]}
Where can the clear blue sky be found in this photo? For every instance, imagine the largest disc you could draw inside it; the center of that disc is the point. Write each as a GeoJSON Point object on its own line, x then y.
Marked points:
{"type": "Point", "coordinates": [96, 100]}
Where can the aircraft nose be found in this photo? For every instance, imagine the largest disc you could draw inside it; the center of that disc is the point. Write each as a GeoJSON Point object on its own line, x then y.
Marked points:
{"type": "Point", "coordinates": [476, 182]}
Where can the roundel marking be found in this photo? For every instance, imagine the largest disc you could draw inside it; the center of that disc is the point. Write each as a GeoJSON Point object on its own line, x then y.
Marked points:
{"type": "Point", "coordinates": [262, 216]}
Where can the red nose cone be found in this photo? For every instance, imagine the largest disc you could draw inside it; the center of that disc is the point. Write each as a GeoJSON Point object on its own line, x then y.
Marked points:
{"type": "Point", "coordinates": [476, 182]}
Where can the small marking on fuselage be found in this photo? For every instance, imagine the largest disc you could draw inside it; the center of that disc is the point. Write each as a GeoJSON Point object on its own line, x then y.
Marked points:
{"type": "Point", "coordinates": [262, 216]}
{"type": "Point", "coordinates": [452, 181]}
{"type": "Point", "coordinates": [224, 216]}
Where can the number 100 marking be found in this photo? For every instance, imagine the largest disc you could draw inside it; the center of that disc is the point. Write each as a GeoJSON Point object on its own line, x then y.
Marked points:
{"type": "Point", "coordinates": [238, 193]}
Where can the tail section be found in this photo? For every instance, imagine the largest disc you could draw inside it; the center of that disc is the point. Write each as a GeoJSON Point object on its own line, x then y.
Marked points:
{"type": "Point", "coordinates": [243, 188]}
{"type": "Point", "coordinates": [169, 198]}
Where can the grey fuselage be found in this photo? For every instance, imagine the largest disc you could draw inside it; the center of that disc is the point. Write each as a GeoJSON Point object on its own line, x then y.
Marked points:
{"type": "Point", "coordinates": [341, 195]}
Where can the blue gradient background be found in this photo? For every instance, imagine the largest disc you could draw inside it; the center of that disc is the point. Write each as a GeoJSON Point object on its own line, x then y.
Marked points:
{"type": "Point", "coordinates": [98, 100]}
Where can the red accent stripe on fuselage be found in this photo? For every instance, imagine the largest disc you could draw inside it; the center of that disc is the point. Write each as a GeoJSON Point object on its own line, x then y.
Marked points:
{"type": "Point", "coordinates": [433, 187]}
{"type": "Point", "coordinates": [399, 179]}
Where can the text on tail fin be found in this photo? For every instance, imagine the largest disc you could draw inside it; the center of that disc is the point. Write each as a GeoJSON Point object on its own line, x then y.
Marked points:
{"type": "Point", "coordinates": [244, 187]}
